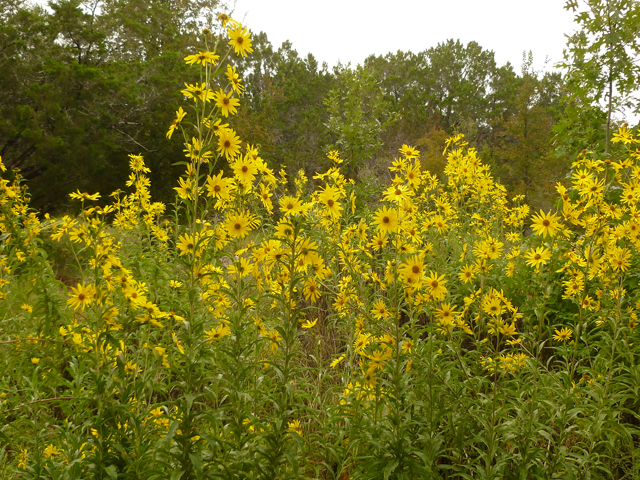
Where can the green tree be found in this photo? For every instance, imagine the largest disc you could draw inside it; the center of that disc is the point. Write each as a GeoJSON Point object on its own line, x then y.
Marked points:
{"type": "Point", "coordinates": [358, 114]}
{"type": "Point", "coordinates": [603, 62]}
{"type": "Point", "coordinates": [522, 149]}
{"type": "Point", "coordinates": [460, 79]}
{"type": "Point", "coordinates": [284, 113]}
{"type": "Point", "coordinates": [86, 83]}
{"type": "Point", "coordinates": [402, 76]}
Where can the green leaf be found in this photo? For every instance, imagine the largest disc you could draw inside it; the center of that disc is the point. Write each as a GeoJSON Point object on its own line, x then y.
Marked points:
{"type": "Point", "coordinates": [292, 461]}
{"type": "Point", "coordinates": [170, 433]}
{"type": "Point", "coordinates": [177, 474]}
{"type": "Point", "coordinates": [112, 471]}
{"type": "Point", "coordinates": [196, 461]}
{"type": "Point", "coordinates": [388, 470]}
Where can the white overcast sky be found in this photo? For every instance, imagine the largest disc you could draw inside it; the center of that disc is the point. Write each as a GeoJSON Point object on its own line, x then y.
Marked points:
{"type": "Point", "coordinates": [351, 30]}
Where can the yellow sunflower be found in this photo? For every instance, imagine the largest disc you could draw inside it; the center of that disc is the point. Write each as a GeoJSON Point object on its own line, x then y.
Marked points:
{"type": "Point", "coordinates": [196, 150]}
{"type": "Point", "coordinates": [379, 310]}
{"type": "Point", "coordinates": [226, 103]}
{"type": "Point", "coordinates": [386, 220]}
{"type": "Point", "coordinates": [311, 291]}
{"type": "Point", "coordinates": [82, 296]}
{"type": "Point", "coordinates": [563, 334]}
{"type": "Point", "coordinates": [290, 205]}
{"type": "Point", "coordinates": [329, 198]}
{"type": "Point", "coordinates": [284, 230]}
{"type": "Point", "coordinates": [186, 244]}
{"type": "Point", "coordinates": [228, 144]}
{"type": "Point", "coordinates": [537, 257]}
{"type": "Point", "coordinates": [467, 273]}
{"type": "Point", "coordinates": [546, 224]}
{"type": "Point", "coordinates": [378, 241]}
{"type": "Point", "coordinates": [265, 197]}
{"type": "Point", "coordinates": [219, 188]}
{"type": "Point", "coordinates": [245, 170]}
{"type": "Point", "coordinates": [240, 40]}
{"type": "Point", "coordinates": [396, 193]}
{"type": "Point", "coordinates": [413, 269]}
{"type": "Point", "coordinates": [238, 225]}
{"type": "Point", "coordinates": [217, 333]}
{"type": "Point", "coordinates": [234, 78]}
{"type": "Point", "coordinates": [436, 284]}
{"type": "Point", "coordinates": [202, 58]}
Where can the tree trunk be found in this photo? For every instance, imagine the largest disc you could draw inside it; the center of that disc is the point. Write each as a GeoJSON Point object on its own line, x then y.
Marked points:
{"type": "Point", "coordinates": [22, 158]}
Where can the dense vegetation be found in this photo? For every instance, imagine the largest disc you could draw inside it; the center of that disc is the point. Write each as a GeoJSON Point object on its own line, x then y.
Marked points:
{"type": "Point", "coordinates": [88, 82]}
{"type": "Point", "coordinates": [347, 291]}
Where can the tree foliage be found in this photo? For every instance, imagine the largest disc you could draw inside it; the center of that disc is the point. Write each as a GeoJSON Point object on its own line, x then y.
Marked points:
{"type": "Point", "coordinates": [603, 62]}
{"type": "Point", "coordinates": [523, 155]}
{"type": "Point", "coordinates": [87, 82]}
{"type": "Point", "coordinates": [285, 115]}
{"type": "Point", "coordinates": [358, 114]}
